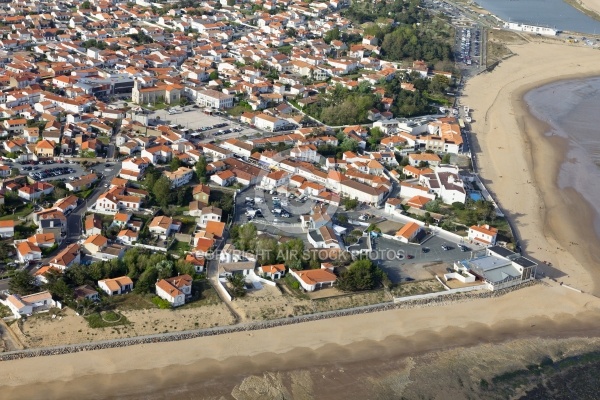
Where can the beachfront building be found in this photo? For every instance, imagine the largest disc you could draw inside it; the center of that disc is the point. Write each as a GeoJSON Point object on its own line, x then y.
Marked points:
{"type": "Point", "coordinates": [499, 268]}
{"type": "Point", "coordinates": [314, 279]}
{"type": "Point", "coordinates": [116, 286]}
{"type": "Point", "coordinates": [27, 305]}
{"type": "Point", "coordinates": [483, 234]}
{"type": "Point", "coordinates": [175, 290]}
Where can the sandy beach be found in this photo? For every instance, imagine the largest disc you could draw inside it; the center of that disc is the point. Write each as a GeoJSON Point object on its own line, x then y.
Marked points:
{"type": "Point", "coordinates": [592, 5]}
{"type": "Point", "coordinates": [517, 164]}
{"type": "Point", "coordinates": [540, 311]}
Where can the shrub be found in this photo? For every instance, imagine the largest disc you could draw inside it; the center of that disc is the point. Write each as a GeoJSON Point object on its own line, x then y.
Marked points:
{"type": "Point", "coordinates": [161, 303]}
{"type": "Point", "coordinates": [295, 285]}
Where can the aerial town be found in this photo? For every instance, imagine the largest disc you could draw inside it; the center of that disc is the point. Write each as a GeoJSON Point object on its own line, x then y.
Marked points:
{"type": "Point", "coordinates": [233, 161]}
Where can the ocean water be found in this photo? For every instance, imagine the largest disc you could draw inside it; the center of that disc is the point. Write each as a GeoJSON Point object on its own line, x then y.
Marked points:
{"type": "Point", "coordinates": [553, 13]}
{"type": "Point", "coordinates": [571, 108]}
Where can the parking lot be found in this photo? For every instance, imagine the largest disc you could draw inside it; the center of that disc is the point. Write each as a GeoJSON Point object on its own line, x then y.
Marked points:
{"type": "Point", "coordinates": [409, 265]}
{"type": "Point", "coordinates": [208, 125]}
{"type": "Point", "coordinates": [51, 171]}
{"type": "Point", "coordinates": [253, 199]}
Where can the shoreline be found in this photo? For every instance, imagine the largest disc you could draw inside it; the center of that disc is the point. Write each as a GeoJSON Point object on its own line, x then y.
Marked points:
{"type": "Point", "coordinates": [591, 8]}
{"type": "Point", "coordinates": [553, 224]}
{"type": "Point", "coordinates": [160, 367]}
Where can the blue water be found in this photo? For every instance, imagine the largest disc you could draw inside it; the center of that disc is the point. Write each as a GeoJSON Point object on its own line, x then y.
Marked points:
{"type": "Point", "coordinates": [553, 13]}
{"type": "Point", "coordinates": [475, 196]}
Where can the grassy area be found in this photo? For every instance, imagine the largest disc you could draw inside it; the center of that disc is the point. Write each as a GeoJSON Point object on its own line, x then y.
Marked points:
{"type": "Point", "coordinates": [417, 288]}
{"type": "Point", "coordinates": [20, 211]}
{"type": "Point", "coordinates": [179, 247]}
{"type": "Point", "coordinates": [130, 301]}
{"type": "Point", "coordinates": [204, 295]}
{"type": "Point", "coordinates": [5, 311]}
{"type": "Point", "coordinates": [106, 319]}
{"type": "Point", "coordinates": [103, 139]}
{"type": "Point", "coordinates": [237, 110]}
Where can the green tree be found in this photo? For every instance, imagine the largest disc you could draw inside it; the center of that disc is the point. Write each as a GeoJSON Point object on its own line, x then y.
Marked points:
{"type": "Point", "coordinates": [266, 251]}
{"type": "Point", "coordinates": [237, 284]}
{"type": "Point", "coordinates": [446, 158]}
{"type": "Point", "coordinates": [22, 283]}
{"type": "Point", "coordinates": [292, 253]}
{"type": "Point", "coordinates": [201, 169]}
{"type": "Point", "coordinates": [246, 237]}
{"type": "Point", "coordinates": [146, 281]}
{"type": "Point", "coordinates": [162, 191]}
{"type": "Point", "coordinates": [350, 204]}
{"type": "Point", "coordinates": [175, 164]}
{"type": "Point", "coordinates": [361, 275]}
{"type": "Point", "coordinates": [85, 5]}
{"type": "Point", "coordinates": [331, 35]}
{"type": "Point", "coordinates": [214, 75]}
{"type": "Point", "coordinates": [375, 136]}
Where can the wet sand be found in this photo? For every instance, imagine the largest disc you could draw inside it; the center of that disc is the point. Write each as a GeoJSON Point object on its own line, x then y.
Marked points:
{"type": "Point", "coordinates": [520, 165]}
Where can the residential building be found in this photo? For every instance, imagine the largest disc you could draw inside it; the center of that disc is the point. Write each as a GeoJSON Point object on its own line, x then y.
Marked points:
{"type": "Point", "coordinates": [30, 304]}
{"type": "Point", "coordinates": [211, 98]}
{"type": "Point", "coordinates": [67, 257]}
{"type": "Point", "coordinates": [175, 290]}
{"type": "Point", "coordinates": [409, 232]}
{"type": "Point", "coordinates": [85, 292]}
{"type": "Point", "coordinates": [7, 228]}
{"type": "Point", "coordinates": [27, 251]}
{"type": "Point", "coordinates": [95, 244]}
{"type": "Point", "coordinates": [273, 272]}
{"type": "Point", "coordinates": [209, 214]}
{"type": "Point", "coordinates": [182, 176]}
{"type": "Point", "coordinates": [116, 286]}
{"type": "Point", "coordinates": [163, 226]}
{"type": "Point", "coordinates": [314, 279]}
{"type": "Point", "coordinates": [483, 234]}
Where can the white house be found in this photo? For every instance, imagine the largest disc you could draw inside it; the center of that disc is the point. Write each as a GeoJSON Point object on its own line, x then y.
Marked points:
{"type": "Point", "coordinates": [211, 98]}
{"type": "Point", "coordinates": [268, 123]}
{"type": "Point", "coordinates": [116, 286]}
{"type": "Point", "coordinates": [274, 272]}
{"type": "Point", "coordinates": [362, 192]}
{"type": "Point", "coordinates": [210, 214]}
{"type": "Point", "coordinates": [238, 147]}
{"type": "Point", "coordinates": [324, 237]}
{"type": "Point", "coordinates": [446, 183]}
{"type": "Point", "coordinates": [175, 289]}
{"type": "Point", "coordinates": [483, 234]}
{"type": "Point", "coordinates": [314, 279]}
{"type": "Point", "coordinates": [27, 305]}
{"type": "Point", "coordinates": [7, 228]}
{"type": "Point", "coordinates": [27, 252]}
{"type": "Point", "coordinates": [275, 179]}
{"type": "Point", "coordinates": [163, 226]}
{"type": "Point", "coordinates": [180, 177]}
